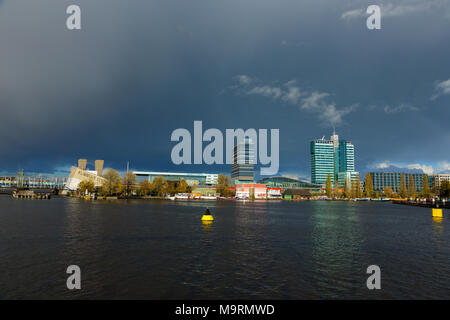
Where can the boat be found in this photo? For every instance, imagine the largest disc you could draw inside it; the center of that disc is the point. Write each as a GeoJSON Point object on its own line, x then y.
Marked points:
{"type": "Point", "coordinates": [362, 199]}
{"type": "Point", "coordinates": [208, 198]}
{"type": "Point", "coordinates": [182, 196]}
{"type": "Point", "coordinates": [381, 199]}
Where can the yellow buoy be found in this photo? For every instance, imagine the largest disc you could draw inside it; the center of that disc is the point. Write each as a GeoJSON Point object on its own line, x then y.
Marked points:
{"type": "Point", "coordinates": [436, 212]}
{"type": "Point", "coordinates": [207, 217]}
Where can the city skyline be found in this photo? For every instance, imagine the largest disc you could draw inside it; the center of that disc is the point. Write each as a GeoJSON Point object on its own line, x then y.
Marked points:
{"type": "Point", "coordinates": [301, 67]}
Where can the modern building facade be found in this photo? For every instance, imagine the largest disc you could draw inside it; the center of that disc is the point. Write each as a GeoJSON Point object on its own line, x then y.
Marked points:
{"type": "Point", "coordinates": [392, 180]}
{"type": "Point", "coordinates": [334, 158]}
{"type": "Point", "coordinates": [322, 161]}
{"type": "Point", "coordinates": [242, 168]}
{"type": "Point", "coordinates": [192, 179]}
{"type": "Point", "coordinates": [288, 183]}
{"type": "Point", "coordinates": [437, 179]}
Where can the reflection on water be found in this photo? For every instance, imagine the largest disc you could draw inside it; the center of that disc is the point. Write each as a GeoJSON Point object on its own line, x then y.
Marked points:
{"type": "Point", "coordinates": [207, 225]}
{"type": "Point", "coordinates": [279, 249]}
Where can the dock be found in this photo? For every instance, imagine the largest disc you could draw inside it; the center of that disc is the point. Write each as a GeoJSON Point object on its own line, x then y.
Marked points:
{"type": "Point", "coordinates": [30, 194]}
{"type": "Point", "coordinates": [425, 204]}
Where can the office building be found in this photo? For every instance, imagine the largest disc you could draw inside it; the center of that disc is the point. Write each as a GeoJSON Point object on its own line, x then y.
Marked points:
{"type": "Point", "coordinates": [322, 161]}
{"type": "Point", "coordinates": [334, 158]}
{"type": "Point", "coordinates": [392, 180]}
{"type": "Point", "coordinates": [288, 183]}
{"type": "Point", "coordinates": [437, 179]}
{"type": "Point", "coordinates": [242, 168]}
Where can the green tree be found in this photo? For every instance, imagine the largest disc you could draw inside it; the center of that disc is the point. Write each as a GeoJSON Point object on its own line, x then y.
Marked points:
{"type": "Point", "coordinates": [328, 187]}
{"type": "Point", "coordinates": [411, 187]}
{"type": "Point", "coordinates": [425, 187]}
{"type": "Point", "coordinates": [112, 182]}
{"type": "Point", "coordinates": [88, 185]}
{"type": "Point", "coordinates": [403, 192]}
{"type": "Point", "coordinates": [444, 190]}
{"type": "Point", "coordinates": [160, 186]}
{"type": "Point", "coordinates": [368, 185]}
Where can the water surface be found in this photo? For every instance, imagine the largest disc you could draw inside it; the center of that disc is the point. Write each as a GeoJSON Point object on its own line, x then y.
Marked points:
{"type": "Point", "coordinates": [155, 249]}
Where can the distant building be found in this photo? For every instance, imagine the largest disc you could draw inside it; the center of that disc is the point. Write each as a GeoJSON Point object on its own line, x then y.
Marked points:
{"type": "Point", "coordinates": [297, 194]}
{"type": "Point", "coordinates": [192, 179]}
{"type": "Point", "coordinates": [322, 161]}
{"type": "Point", "coordinates": [274, 193]}
{"type": "Point", "coordinates": [80, 173]}
{"type": "Point", "coordinates": [392, 180]}
{"type": "Point", "coordinates": [248, 190]}
{"type": "Point", "coordinates": [288, 183]}
{"type": "Point", "coordinates": [436, 179]}
{"type": "Point", "coordinates": [242, 168]}
{"type": "Point", "coordinates": [334, 158]}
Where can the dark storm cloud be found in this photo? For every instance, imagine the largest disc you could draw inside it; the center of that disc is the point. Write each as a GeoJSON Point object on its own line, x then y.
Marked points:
{"type": "Point", "coordinates": [138, 70]}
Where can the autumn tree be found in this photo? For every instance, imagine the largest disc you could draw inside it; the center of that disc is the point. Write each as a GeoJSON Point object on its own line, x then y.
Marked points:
{"type": "Point", "coordinates": [444, 190]}
{"type": "Point", "coordinates": [356, 187]}
{"type": "Point", "coordinates": [88, 185]}
{"type": "Point", "coordinates": [112, 183]}
{"type": "Point", "coordinates": [368, 185]}
{"type": "Point", "coordinates": [411, 187]}
{"type": "Point", "coordinates": [328, 187]}
{"type": "Point", "coordinates": [425, 187]}
{"type": "Point", "coordinates": [223, 185]}
{"type": "Point", "coordinates": [388, 192]}
{"type": "Point", "coordinates": [182, 186]}
{"type": "Point", "coordinates": [403, 192]}
{"type": "Point", "coordinates": [145, 187]}
{"type": "Point", "coordinates": [159, 186]}
{"type": "Point", "coordinates": [347, 188]}
{"type": "Point", "coordinates": [129, 183]}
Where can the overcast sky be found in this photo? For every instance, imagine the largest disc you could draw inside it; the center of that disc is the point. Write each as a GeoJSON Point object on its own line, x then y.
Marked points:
{"type": "Point", "coordinates": [137, 70]}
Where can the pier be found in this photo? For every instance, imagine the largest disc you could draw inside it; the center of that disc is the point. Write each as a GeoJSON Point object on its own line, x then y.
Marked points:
{"type": "Point", "coordinates": [425, 204]}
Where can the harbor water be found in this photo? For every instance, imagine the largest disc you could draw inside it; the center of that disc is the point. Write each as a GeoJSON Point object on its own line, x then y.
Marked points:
{"type": "Point", "coordinates": [158, 249]}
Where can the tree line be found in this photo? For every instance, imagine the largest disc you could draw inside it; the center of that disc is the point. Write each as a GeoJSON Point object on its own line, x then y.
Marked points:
{"type": "Point", "coordinates": [352, 189]}
{"type": "Point", "coordinates": [114, 185]}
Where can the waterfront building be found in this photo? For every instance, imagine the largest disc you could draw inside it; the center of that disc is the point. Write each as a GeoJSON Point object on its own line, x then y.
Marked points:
{"type": "Point", "coordinates": [297, 194]}
{"type": "Point", "coordinates": [436, 179]}
{"type": "Point", "coordinates": [334, 158]}
{"type": "Point", "coordinates": [209, 191]}
{"type": "Point", "coordinates": [274, 193]}
{"type": "Point", "coordinates": [192, 179]}
{"type": "Point", "coordinates": [247, 190]}
{"type": "Point", "coordinates": [382, 180]}
{"type": "Point", "coordinates": [288, 183]}
{"type": "Point", "coordinates": [80, 173]}
{"type": "Point", "coordinates": [242, 168]}
{"type": "Point", "coordinates": [322, 161]}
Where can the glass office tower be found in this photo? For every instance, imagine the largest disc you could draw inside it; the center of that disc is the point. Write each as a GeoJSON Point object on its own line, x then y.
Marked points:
{"type": "Point", "coordinates": [322, 161]}
{"type": "Point", "coordinates": [242, 168]}
{"type": "Point", "coordinates": [332, 157]}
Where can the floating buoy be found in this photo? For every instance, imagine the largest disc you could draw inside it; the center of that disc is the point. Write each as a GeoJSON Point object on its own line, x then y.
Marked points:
{"type": "Point", "coordinates": [436, 212]}
{"type": "Point", "coordinates": [207, 217]}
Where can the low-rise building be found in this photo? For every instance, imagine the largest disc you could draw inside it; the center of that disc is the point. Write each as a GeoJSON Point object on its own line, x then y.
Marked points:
{"type": "Point", "coordinates": [274, 193]}
{"type": "Point", "coordinates": [249, 190]}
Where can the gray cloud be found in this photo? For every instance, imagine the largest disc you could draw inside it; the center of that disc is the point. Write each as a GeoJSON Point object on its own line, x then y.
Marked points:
{"type": "Point", "coordinates": [441, 88]}
{"type": "Point", "coordinates": [314, 101]}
